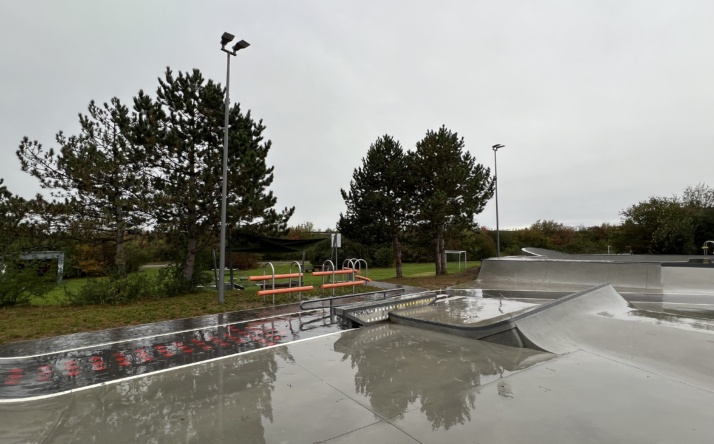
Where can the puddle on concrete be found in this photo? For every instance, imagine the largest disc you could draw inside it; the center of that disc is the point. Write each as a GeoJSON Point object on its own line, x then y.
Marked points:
{"type": "Point", "coordinates": [464, 310]}
{"type": "Point", "coordinates": [305, 392]}
{"type": "Point", "coordinates": [58, 372]}
{"type": "Point", "coordinates": [673, 320]}
{"type": "Point", "coordinates": [681, 320]}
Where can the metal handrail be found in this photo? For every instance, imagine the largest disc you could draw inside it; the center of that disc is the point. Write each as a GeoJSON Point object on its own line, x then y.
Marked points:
{"type": "Point", "coordinates": [329, 302]}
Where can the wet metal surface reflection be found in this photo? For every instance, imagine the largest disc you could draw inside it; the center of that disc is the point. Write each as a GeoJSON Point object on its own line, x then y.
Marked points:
{"type": "Point", "coordinates": [51, 373]}
{"type": "Point", "coordinates": [88, 339]}
{"type": "Point", "coordinates": [464, 310]}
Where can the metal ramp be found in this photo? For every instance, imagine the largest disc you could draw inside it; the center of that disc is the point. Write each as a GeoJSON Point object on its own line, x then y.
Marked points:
{"type": "Point", "coordinates": [371, 312]}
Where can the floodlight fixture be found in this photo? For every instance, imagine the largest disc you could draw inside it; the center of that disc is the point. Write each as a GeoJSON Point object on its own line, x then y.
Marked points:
{"type": "Point", "coordinates": [497, 147]}
{"type": "Point", "coordinates": [240, 45]}
{"type": "Point", "coordinates": [226, 38]}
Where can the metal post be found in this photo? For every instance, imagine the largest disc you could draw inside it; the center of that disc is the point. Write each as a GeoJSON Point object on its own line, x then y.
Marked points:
{"type": "Point", "coordinates": [224, 192]}
{"type": "Point", "coordinates": [225, 39]}
{"type": "Point", "coordinates": [495, 179]}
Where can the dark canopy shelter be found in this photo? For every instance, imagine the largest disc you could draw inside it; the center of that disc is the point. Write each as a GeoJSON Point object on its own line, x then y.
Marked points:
{"type": "Point", "coordinates": [250, 243]}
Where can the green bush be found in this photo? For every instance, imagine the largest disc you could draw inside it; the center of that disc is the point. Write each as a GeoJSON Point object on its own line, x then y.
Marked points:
{"type": "Point", "coordinates": [115, 290]}
{"type": "Point", "coordinates": [20, 281]}
{"type": "Point", "coordinates": [243, 261]}
{"type": "Point", "coordinates": [383, 257]}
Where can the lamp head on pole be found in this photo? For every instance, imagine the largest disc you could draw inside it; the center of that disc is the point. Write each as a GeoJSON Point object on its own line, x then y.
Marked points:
{"type": "Point", "coordinates": [498, 146]}
{"type": "Point", "coordinates": [226, 38]}
{"type": "Point", "coordinates": [240, 45]}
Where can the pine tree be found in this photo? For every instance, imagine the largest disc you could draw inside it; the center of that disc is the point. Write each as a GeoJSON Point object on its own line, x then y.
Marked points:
{"type": "Point", "coordinates": [182, 132]}
{"type": "Point", "coordinates": [19, 280]}
{"type": "Point", "coordinates": [97, 178]}
{"type": "Point", "coordinates": [451, 187]}
{"type": "Point", "coordinates": [378, 201]}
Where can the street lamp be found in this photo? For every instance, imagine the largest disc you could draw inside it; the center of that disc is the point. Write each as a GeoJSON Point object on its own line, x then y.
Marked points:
{"type": "Point", "coordinates": [226, 38]}
{"type": "Point", "coordinates": [497, 147]}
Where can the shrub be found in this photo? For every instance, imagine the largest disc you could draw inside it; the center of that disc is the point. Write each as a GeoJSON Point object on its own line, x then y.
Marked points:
{"type": "Point", "coordinates": [115, 290]}
{"type": "Point", "coordinates": [20, 281]}
{"type": "Point", "coordinates": [244, 261]}
{"type": "Point", "coordinates": [383, 257]}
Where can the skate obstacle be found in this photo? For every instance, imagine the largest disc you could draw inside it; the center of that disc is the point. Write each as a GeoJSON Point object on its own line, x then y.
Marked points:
{"type": "Point", "coordinates": [351, 275]}
{"type": "Point", "coordinates": [272, 277]}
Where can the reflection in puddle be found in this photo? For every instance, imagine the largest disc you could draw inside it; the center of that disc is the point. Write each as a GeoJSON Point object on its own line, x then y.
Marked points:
{"type": "Point", "coordinates": [676, 319]}
{"type": "Point", "coordinates": [466, 310]}
{"type": "Point", "coordinates": [304, 392]}
{"type": "Point", "coordinates": [58, 372]}
{"type": "Point", "coordinates": [399, 368]}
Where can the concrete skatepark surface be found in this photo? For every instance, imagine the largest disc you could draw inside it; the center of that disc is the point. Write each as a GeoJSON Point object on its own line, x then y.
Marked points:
{"type": "Point", "coordinates": [592, 368]}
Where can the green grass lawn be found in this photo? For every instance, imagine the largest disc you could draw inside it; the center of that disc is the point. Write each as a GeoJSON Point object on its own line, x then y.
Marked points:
{"type": "Point", "coordinates": [52, 316]}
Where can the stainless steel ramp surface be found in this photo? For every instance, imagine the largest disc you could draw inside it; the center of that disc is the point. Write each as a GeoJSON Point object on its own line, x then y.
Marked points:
{"type": "Point", "coordinates": [371, 312]}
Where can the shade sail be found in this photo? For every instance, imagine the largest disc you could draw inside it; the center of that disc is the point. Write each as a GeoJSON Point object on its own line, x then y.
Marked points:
{"type": "Point", "coordinates": [249, 243]}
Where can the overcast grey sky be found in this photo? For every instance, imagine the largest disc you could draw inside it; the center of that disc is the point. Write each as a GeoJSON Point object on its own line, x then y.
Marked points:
{"type": "Point", "coordinates": [600, 103]}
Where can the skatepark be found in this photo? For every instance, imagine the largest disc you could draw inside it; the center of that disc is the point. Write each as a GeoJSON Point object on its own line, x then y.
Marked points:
{"type": "Point", "coordinates": [543, 347]}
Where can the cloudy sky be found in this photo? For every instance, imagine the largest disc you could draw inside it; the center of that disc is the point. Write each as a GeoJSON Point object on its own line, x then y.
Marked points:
{"type": "Point", "coordinates": [600, 103]}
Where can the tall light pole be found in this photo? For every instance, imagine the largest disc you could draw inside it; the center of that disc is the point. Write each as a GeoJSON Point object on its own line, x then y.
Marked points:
{"type": "Point", "coordinates": [497, 147]}
{"type": "Point", "coordinates": [226, 38]}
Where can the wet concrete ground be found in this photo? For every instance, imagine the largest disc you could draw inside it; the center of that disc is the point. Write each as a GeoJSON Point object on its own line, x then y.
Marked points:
{"type": "Point", "coordinates": [328, 388]}
{"type": "Point", "coordinates": [622, 375]}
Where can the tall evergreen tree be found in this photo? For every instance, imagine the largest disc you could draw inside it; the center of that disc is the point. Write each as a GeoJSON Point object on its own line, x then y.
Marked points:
{"type": "Point", "coordinates": [19, 280]}
{"type": "Point", "coordinates": [378, 201]}
{"type": "Point", "coordinates": [97, 176]}
{"type": "Point", "coordinates": [451, 187]}
{"type": "Point", "coordinates": [182, 132]}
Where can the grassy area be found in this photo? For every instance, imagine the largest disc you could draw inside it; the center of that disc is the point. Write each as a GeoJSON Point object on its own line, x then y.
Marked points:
{"type": "Point", "coordinates": [52, 316]}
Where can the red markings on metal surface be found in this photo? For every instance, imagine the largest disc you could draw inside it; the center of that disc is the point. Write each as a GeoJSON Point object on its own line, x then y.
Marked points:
{"type": "Point", "coordinates": [44, 373]}
{"type": "Point", "coordinates": [121, 359]}
{"type": "Point", "coordinates": [71, 368]}
{"type": "Point", "coordinates": [16, 374]}
{"type": "Point", "coordinates": [143, 355]}
{"type": "Point", "coordinates": [164, 351]}
{"type": "Point", "coordinates": [98, 363]}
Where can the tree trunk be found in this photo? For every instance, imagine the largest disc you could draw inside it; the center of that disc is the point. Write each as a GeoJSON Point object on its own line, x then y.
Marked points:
{"type": "Point", "coordinates": [440, 255]}
{"type": "Point", "coordinates": [437, 261]}
{"type": "Point", "coordinates": [189, 265]}
{"type": "Point", "coordinates": [397, 255]}
{"type": "Point", "coordinates": [120, 253]}
{"type": "Point", "coordinates": [442, 252]}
